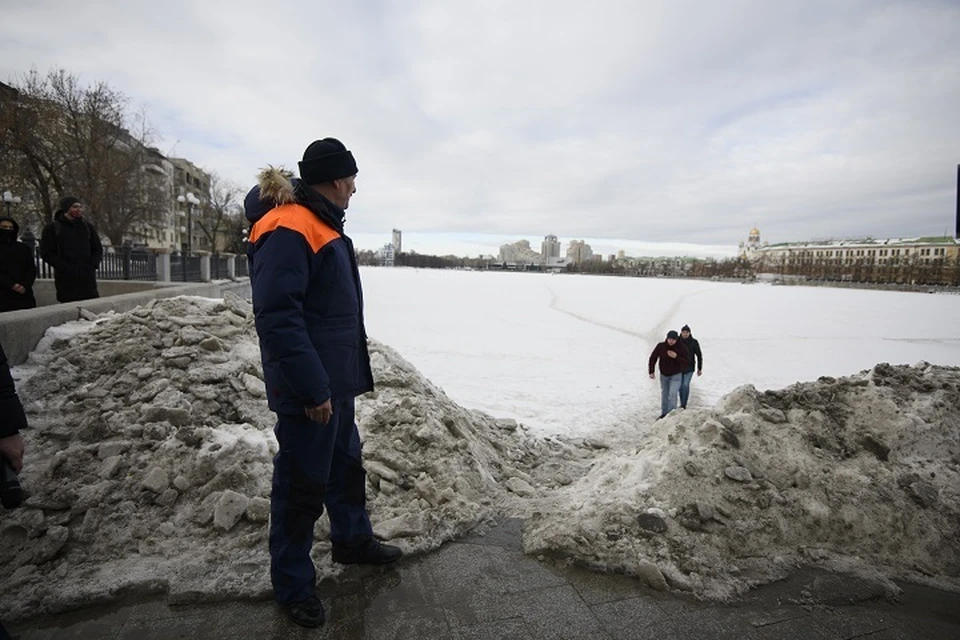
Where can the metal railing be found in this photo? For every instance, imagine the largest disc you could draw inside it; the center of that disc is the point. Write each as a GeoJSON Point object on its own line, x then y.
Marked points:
{"type": "Point", "coordinates": [185, 268]}
{"type": "Point", "coordinates": [241, 266]}
{"type": "Point", "coordinates": [125, 264]}
{"type": "Point", "coordinates": [128, 264]}
{"type": "Point", "coordinates": [219, 267]}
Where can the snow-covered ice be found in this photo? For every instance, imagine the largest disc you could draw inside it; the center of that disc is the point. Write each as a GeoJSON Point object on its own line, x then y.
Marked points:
{"type": "Point", "coordinates": [568, 354]}
{"type": "Point", "coordinates": [150, 454]}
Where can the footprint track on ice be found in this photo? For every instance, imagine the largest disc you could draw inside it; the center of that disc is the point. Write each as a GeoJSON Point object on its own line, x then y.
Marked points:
{"type": "Point", "coordinates": [654, 333]}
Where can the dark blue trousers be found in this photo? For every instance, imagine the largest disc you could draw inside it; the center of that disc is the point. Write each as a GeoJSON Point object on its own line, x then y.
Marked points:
{"type": "Point", "coordinates": [318, 465]}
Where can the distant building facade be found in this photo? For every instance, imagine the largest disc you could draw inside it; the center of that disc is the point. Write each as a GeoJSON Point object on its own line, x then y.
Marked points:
{"type": "Point", "coordinates": [549, 249]}
{"type": "Point", "coordinates": [924, 260]}
{"type": "Point", "coordinates": [189, 178]}
{"type": "Point", "coordinates": [519, 252]}
{"type": "Point", "coordinates": [578, 252]}
{"type": "Point", "coordinates": [386, 255]}
{"type": "Point", "coordinates": [397, 241]}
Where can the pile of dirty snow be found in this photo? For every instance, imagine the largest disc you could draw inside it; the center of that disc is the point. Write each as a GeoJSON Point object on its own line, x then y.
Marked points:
{"type": "Point", "coordinates": [149, 464]}
{"type": "Point", "coordinates": [858, 474]}
{"type": "Point", "coordinates": [149, 461]}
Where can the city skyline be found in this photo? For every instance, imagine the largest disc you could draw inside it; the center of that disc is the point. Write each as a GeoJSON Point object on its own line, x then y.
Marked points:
{"type": "Point", "coordinates": [669, 123]}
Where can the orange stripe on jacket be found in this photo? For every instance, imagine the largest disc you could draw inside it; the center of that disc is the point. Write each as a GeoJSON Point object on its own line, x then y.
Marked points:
{"type": "Point", "coordinates": [296, 218]}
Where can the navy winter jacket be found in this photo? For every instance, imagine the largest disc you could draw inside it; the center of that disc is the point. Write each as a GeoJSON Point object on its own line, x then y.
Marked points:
{"type": "Point", "coordinates": [307, 297]}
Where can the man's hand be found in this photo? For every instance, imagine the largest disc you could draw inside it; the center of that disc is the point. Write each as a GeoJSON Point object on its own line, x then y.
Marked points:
{"type": "Point", "coordinates": [699, 373]}
{"type": "Point", "coordinates": [672, 354]}
{"type": "Point", "coordinates": [11, 448]}
{"type": "Point", "coordinates": [320, 413]}
{"type": "Point", "coordinates": [653, 376]}
{"type": "Point", "coordinates": [19, 288]}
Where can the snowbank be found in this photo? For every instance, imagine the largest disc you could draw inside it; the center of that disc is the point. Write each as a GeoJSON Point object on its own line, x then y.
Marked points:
{"type": "Point", "coordinates": [150, 458]}
{"type": "Point", "coordinates": [858, 474]}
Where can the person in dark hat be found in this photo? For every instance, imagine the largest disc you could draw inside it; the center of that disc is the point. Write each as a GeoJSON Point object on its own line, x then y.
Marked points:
{"type": "Point", "coordinates": [70, 244]}
{"type": "Point", "coordinates": [695, 362]}
{"type": "Point", "coordinates": [673, 358]}
{"type": "Point", "coordinates": [308, 307]}
{"type": "Point", "coordinates": [18, 270]}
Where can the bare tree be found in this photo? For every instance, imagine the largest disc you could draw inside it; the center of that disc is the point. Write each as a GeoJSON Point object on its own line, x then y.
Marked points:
{"type": "Point", "coordinates": [236, 228]}
{"type": "Point", "coordinates": [66, 137]}
{"type": "Point", "coordinates": [215, 213]}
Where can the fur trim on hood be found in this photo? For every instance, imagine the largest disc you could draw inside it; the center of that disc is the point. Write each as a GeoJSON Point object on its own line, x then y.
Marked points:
{"type": "Point", "coordinates": [276, 186]}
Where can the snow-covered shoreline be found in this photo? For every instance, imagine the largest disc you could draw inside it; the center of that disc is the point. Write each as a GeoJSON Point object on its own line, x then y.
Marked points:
{"type": "Point", "coordinates": [150, 455]}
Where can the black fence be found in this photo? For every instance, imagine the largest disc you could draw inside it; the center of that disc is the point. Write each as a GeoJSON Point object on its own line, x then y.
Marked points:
{"type": "Point", "coordinates": [185, 268]}
{"type": "Point", "coordinates": [125, 264]}
{"type": "Point", "coordinates": [219, 267]}
{"type": "Point", "coordinates": [129, 263]}
{"type": "Point", "coordinates": [241, 266]}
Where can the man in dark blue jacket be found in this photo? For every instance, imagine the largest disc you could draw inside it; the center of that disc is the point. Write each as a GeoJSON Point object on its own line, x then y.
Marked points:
{"type": "Point", "coordinates": [308, 304]}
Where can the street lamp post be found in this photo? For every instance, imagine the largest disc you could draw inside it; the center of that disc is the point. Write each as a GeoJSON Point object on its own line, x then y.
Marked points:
{"type": "Point", "coordinates": [10, 199]}
{"type": "Point", "coordinates": [190, 201]}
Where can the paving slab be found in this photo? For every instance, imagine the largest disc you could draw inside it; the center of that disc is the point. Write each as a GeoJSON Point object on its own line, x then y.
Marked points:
{"type": "Point", "coordinates": [483, 587]}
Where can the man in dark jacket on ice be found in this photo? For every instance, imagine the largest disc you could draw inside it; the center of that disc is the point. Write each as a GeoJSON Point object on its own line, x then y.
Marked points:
{"type": "Point", "coordinates": [694, 362]}
{"type": "Point", "coordinates": [70, 244]}
{"type": "Point", "coordinates": [673, 359]}
{"type": "Point", "coordinates": [308, 305]}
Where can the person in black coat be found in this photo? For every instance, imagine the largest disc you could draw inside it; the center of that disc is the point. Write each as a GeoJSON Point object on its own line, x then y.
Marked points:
{"type": "Point", "coordinates": [71, 246]}
{"type": "Point", "coordinates": [12, 417]}
{"type": "Point", "coordinates": [17, 269]}
{"type": "Point", "coordinates": [695, 362]}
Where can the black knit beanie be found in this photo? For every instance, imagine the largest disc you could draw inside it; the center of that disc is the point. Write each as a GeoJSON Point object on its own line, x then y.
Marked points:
{"type": "Point", "coordinates": [66, 202]}
{"type": "Point", "coordinates": [686, 328]}
{"type": "Point", "coordinates": [326, 160]}
{"type": "Point", "coordinates": [673, 334]}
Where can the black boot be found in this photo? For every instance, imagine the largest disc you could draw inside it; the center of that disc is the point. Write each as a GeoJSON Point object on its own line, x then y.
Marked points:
{"type": "Point", "coordinates": [369, 552]}
{"type": "Point", "coordinates": [307, 613]}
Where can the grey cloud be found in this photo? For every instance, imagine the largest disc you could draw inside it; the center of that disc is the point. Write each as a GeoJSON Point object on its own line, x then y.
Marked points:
{"type": "Point", "coordinates": [641, 121]}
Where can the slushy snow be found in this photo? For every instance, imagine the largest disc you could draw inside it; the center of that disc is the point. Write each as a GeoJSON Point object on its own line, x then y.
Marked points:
{"type": "Point", "coordinates": [858, 474]}
{"type": "Point", "coordinates": [150, 458]}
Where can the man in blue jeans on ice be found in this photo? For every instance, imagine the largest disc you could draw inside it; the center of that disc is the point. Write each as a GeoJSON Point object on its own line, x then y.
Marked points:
{"type": "Point", "coordinates": [308, 307]}
{"type": "Point", "coordinates": [673, 359]}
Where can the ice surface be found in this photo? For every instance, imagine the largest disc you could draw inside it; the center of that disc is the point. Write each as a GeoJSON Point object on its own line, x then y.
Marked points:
{"type": "Point", "coordinates": [567, 354]}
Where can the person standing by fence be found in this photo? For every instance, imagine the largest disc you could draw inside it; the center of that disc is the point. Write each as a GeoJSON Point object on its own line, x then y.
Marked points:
{"type": "Point", "coordinates": [17, 269]}
{"type": "Point", "coordinates": [70, 244]}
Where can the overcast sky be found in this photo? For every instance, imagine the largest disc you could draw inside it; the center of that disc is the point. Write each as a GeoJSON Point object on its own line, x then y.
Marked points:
{"type": "Point", "coordinates": [638, 121]}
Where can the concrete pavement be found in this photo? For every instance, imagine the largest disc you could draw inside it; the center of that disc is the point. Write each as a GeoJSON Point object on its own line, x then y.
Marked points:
{"type": "Point", "coordinates": [485, 588]}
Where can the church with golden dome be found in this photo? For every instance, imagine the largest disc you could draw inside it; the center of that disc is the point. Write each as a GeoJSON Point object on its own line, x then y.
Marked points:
{"type": "Point", "coordinates": [749, 249]}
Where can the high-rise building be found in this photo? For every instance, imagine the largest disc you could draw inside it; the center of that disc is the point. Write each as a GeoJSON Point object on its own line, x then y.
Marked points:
{"type": "Point", "coordinates": [549, 249]}
{"type": "Point", "coordinates": [578, 252]}
{"type": "Point", "coordinates": [519, 252]}
{"type": "Point", "coordinates": [397, 241]}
